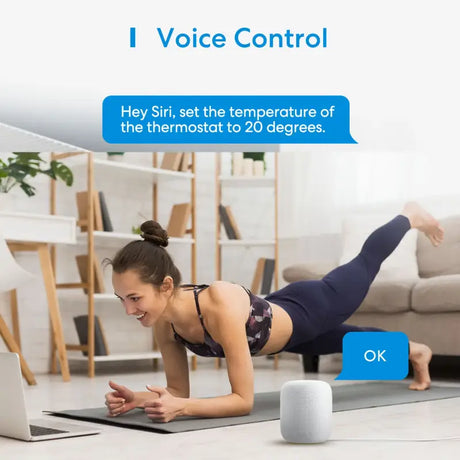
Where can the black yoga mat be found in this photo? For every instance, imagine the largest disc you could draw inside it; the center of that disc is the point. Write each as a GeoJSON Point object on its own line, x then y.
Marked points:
{"type": "Point", "coordinates": [267, 407]}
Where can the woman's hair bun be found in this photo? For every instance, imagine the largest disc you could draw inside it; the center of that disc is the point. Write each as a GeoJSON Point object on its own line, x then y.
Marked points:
{"type": "Point", "coordinates": [152, 231]}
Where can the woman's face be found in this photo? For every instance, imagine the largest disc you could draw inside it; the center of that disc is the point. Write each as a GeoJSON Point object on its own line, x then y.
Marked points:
{"type": "Point", "coordinates": [142, 300]}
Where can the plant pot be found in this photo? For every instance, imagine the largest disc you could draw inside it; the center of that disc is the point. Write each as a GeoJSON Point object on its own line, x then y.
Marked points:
{"type": "Point", "coordinates": [256, 156]}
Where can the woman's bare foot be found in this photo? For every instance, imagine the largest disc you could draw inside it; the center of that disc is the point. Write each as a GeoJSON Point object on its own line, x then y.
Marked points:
{"type": "Point", "coordinates": [424, 221]}
{"type": "Point", "coordinates": [420, 357]}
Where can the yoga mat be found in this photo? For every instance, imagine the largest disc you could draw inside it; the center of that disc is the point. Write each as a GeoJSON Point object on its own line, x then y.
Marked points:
{"type": "Point", "coordinates": [266, 407]}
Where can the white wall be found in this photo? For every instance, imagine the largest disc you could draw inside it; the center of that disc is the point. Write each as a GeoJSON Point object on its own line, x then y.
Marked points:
{"type": "Point", "coordinates": [323, 184]}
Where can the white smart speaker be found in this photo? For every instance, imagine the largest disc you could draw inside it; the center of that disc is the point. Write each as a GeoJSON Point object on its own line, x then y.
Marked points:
{"type": "Point", "coordinates": [306, 411]}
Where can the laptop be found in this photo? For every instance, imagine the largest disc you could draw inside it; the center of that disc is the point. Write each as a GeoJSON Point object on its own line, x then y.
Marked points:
{"type": "Point", "coordinates": [13, 416]}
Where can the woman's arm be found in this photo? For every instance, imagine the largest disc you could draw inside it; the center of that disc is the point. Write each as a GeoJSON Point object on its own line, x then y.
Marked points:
{"type": "Point", "coordinates": [176, 369]}
{"type": "Point", "coordinates": [175, 361]}
{"type": "Point", "coordinates": [227, 326]}
{"type": "Point", "coordinates": [241, 376]}
{"type": "Point", "coordinates": [122, 399]}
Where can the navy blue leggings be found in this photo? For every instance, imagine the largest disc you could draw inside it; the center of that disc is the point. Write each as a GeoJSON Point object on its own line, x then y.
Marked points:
{"type": "Point", "coordinates": [319, 307]}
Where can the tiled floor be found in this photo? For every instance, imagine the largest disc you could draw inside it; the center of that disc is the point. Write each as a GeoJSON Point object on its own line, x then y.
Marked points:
{"type": "Point", "coordinates": [435, 419]}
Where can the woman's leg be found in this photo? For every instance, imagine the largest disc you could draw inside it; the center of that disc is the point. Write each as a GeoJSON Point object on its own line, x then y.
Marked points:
{"type": "Point", "coordinates": [420, 357]}
{"type": "Point", "coordinates": [316, 307]}
{"type": "Point", "coordinates": [331, 342]}
{"type": "Point", "coordinates": [342, 291]}
{"type": "Point", "coordinates": [319, 306]}
{"type": "Point", "coordinates": [349, 284]}
{"type": "Point", "coordinates": [339, 294]}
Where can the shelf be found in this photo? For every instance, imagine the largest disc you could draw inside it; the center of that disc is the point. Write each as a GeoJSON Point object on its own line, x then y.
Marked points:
{"type": "Point", "coordinates": [115, 239]}
{"type": "Point", "coordinates": [37, 228]}
{"type": "Point", "coordinates": [247, 181]}
{"type": "Point", "coordinates": [150, 178]}
{"type": "Point", "coordinates": [77, 295]}
{"type": "Point", "coordinates": [154, 173]}
{"type": "Point", "coordinates": [105, 296]}
{"type": "Point", "coordinates": [121, 356]}
{"type": "Point", "coordinates": [246, 242]}
{"type": "Point", "coordinates": [231, 188]}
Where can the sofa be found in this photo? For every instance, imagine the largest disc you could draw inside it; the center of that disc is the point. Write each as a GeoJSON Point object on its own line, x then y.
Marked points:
{"type": "Point", "coordinates": [421, 300]}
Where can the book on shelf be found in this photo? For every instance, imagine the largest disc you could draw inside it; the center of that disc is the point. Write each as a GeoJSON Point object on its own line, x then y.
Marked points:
{"type": "Point", "coordinates": [82, 264]}
{"type": "Point", "coordinates": [171, 161]}
{"type": "Point", "coordinates": [257, 279]}
{"type": "Point", "coordinates": [100, 343]}
{"type": "Point", "coordinates": [82, 206]}
{"type": "Point", "coordinates": [225, 221]}
{"type": "Point", "coordinates": [185, 162]}
{"type": "Point", "coordinates": [106, 221]}
{"type": "Point", "coordinates": [228, 221]}
{"type": "Point", "coordinates": [178, 220]}
{"type": "Point", "coordinates": [263, 276]}
{"type": "Point", "coordinates": [232, 220]}
{"type": "Point", "coordinates": [267, 278]}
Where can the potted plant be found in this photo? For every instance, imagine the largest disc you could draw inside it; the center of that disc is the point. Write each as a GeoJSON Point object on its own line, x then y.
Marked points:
{"type": "Point", "coordinates": [257, 156]}
{"type": "Point", "coordinates": [136, 229]}
{"type": "Point", "coordinates": [115, 156]}
{"type": "Point", "coordinates": [17, 170]}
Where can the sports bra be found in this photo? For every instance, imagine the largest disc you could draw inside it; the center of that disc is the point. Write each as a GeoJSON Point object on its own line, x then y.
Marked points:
{"type": "Point", "coordinates": [258, 326]}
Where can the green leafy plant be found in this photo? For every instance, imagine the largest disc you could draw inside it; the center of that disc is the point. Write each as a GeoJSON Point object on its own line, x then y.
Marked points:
{"type": "Point", "coordinates": [115, 155]}
{"type": "Point", "coordinates": [136, 229]}
{"type": "Point", "coordinates": [18, 169]}
{"type": "Point", "coordinates": [256, 156]}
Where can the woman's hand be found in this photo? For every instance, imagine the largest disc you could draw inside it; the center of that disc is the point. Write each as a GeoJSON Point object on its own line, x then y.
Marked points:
{"type": "Point", "coordinates": [119, 401]}
{"type": "Point", "coordinates": [166, 407]}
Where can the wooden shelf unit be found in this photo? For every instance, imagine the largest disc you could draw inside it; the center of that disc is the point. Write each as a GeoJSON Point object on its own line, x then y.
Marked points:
{"type": "Point", "coordinates": [223, 181]}
{"type": "Point", "coordinates": [89, 165]}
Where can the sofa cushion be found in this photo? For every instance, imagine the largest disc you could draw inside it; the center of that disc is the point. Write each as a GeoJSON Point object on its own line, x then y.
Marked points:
{"type": "Point", "coordinates": [402, 262]}
{"type": "Point", "coordinates": [445, 258]}
{"type": "Point", "coordinates": [437, 294]}
{"type": "Point", "coordinates": [310, 271]}
{"type": "Point", "coordinates": [388, 297]}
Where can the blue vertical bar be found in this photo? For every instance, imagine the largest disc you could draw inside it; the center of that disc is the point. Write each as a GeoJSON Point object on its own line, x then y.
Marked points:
{"type": "Point", "coordinates": [132, 37]}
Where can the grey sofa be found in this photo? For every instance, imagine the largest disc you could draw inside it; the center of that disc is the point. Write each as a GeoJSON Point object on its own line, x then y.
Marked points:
{"type": "Point", "coordinates": [426, 309]}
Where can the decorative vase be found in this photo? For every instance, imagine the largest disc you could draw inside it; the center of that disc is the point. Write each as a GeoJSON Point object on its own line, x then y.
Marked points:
{"type": "Point", "coordinates": [248, 167]}
{"type": "Point", "coordinates": [259, 168]}
{"type": "Point", "coordinates": [256, 156]}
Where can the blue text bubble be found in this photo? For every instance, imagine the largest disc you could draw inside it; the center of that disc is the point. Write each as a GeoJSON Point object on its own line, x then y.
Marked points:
{"type": "Point", "coordinates": [226, 120]}
{"type": "Point", "coordinates": [375, 356]}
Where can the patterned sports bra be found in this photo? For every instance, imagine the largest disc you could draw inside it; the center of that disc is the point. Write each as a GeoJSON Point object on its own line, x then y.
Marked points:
{"type": "Point", "coordinates": [258, 326]}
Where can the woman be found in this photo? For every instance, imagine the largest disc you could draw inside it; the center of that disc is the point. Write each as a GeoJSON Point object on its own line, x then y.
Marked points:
{"type": "Point", "coordinates": [303, 317]}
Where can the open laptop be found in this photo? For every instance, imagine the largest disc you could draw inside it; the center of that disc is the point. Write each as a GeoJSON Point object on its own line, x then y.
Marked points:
{"type": "Point", "coordinates": [13, 416]}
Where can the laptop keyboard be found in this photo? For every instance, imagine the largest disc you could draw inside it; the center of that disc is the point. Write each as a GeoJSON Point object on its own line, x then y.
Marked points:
{"type": "Point", "coordinates": [36, 430]}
